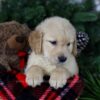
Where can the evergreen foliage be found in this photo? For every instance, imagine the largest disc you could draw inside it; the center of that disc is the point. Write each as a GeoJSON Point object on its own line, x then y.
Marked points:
{"type": "Point", "coordinates": [84, 18]}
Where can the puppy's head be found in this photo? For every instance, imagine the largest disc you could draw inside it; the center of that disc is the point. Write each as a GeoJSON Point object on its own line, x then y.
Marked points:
{"type": "Point", "coordinates": [54, 38]}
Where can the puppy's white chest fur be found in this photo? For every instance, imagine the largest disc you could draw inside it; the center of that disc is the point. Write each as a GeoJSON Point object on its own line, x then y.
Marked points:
{"type": "Point", "coordinates": [40, 60]}
{"type": "Point", "coordinates": [48, 67]}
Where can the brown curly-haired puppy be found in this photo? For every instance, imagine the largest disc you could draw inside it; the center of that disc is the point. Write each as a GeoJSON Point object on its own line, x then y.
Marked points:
{"type": "Point", "coordinates": [13, 38]}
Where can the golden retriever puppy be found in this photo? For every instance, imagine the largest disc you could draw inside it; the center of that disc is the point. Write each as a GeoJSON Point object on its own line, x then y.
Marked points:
{"type": "Point", "coordinates": [53, 44]}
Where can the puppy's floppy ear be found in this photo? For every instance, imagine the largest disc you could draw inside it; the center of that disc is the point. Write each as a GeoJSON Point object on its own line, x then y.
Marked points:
{"type": "Point", "coordinates": [35, 41]}
{"type": "Point", "coordinates": [74, 51]}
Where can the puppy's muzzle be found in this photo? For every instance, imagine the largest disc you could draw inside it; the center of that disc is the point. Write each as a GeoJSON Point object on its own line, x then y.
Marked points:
{"type": "Point", "coordinates": [62, 59]}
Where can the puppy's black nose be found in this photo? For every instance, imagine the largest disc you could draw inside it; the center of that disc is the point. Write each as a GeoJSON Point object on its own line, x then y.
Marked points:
{"type": "Point", "coordinates": [20, 39]}
{"type": "Point", "coordinates": [62, 59]}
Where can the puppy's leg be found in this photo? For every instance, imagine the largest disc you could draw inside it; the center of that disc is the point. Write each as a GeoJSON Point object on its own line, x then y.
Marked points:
{"type": "Point", "coordinates": [58, 77]}
{"type": "Point", "coordinates": [34, 76]}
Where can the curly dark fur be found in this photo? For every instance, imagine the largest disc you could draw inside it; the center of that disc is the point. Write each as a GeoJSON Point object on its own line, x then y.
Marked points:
{"type": "Point", "coordinates": [8, 55]}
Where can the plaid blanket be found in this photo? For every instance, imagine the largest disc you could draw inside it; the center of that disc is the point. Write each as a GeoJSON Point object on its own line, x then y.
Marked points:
{"type": "Point", "coordinates": [14, 87]}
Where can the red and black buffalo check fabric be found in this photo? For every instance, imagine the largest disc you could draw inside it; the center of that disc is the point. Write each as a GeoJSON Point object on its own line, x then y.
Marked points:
{"type": "Point", "coordinates": [14, 87]}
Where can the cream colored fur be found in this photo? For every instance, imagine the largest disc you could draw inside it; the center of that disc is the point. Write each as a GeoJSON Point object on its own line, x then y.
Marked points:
{"type": "Point", "coordinates": [46, 62]}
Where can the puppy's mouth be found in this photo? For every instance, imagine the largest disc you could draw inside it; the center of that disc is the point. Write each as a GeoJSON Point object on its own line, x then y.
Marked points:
{"type": "Point", "coordinates": [57, 62]}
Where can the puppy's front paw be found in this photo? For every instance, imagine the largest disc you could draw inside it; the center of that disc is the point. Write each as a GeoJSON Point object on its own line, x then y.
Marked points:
{"type": "Point", "coordinates": [58, 77]}
{"type": "Point", "coordinates": [34, 76]}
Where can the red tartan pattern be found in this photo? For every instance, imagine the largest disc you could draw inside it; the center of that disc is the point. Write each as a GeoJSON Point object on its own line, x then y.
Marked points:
{"type": "Point", "coordinates": [14, 87]}
{"type": "Point", "coordinates": [13, 84]}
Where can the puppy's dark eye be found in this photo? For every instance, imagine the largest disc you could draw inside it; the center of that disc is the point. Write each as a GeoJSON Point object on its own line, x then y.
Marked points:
{"type": "Point", "coordinates": [68, 44]}
{"type": "Point", "coordinates": [53, 42]}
